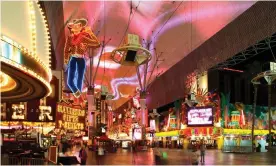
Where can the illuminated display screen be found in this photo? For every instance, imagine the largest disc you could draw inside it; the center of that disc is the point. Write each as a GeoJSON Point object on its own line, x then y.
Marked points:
{"type": "Point", "coordinates": [70, 118]}
{"type": "Point", "coordinates": [200, 116]}
{"type": "Point", "coordinates": [151, 24]}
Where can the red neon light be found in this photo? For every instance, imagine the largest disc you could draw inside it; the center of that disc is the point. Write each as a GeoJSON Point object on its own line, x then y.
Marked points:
{"type": "Point", "coordinates": [240, 71]}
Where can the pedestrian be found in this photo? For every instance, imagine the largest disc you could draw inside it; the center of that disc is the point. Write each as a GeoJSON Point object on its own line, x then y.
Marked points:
{"type": "Point", "coordinates": [157, 156]}
{"type": "Point", "coordinates": [194, 157]}
{"type": "Point", "coordinates": [67, 157]}
{"type": "Point", "coordinates": [66, 149]}
{"type": "Point", "coordinates": [254, 147]}
{"type": "Point", "coordinates": [100, 156]}
{"type": "Point", "coordinates": [202, 152]}
{"type": "Point", "coordinates": [259, 147]}
{"type": "Point", "coordinates": [82, 153]}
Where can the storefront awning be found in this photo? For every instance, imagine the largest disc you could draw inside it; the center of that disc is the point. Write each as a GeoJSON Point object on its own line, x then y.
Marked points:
{"type": "Point", "coordinates": [246, 131]}
{"type": "Point", "coordinates": [167, 134]}
{"type": "Point", "coordinates": [189, 131]}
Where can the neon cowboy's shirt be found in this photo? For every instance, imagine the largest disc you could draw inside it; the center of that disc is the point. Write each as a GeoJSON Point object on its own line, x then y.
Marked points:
{"type": "Point", "coordinates": [77, 44]}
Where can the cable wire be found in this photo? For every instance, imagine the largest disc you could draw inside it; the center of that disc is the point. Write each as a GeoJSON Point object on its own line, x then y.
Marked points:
{"type": "Point", "coordinates": [130, 19]}
{"type": "Point", "coordinates": [128, 23]}
{"type": "Point", "coordinates": [168, 19]}
{"type": "Point", "coordinates": [271, 51]}
{"type": "Point", "coordinates": [104, 41]}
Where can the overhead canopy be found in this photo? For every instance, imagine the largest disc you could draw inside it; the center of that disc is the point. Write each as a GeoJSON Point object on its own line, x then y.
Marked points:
{"type": "Point", "coordinates": [172, 28]}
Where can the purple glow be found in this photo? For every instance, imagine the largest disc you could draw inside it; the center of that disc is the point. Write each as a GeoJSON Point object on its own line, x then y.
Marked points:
{"type": "Point", "coordinates": [201, 14]}
{"type": "Point", "coordinates": [115, 83]}
{"type": "Point", "coordinates": [104, 64]}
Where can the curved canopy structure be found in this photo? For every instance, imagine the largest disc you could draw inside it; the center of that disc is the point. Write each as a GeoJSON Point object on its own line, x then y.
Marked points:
{"type": "Point", "coordinates": [25, 57]}
{"type": "Point", "coordinates": [170, 30]}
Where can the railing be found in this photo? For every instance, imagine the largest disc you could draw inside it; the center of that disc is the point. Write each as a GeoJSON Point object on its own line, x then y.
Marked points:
{"type": "Point", "coordinates": [22, 161]}
{"type": "Point", "coordinates": [237, 149]}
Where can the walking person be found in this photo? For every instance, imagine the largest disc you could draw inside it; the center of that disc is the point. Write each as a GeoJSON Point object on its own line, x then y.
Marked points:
{"type": "Point", "coordinates": [82, 154]}
{"type": "Point", "coordinates": [259, 147]}
{"type": "Point", "coordinates": [202, 152]}
{"type": "Point", "coordinates": [100, 156]}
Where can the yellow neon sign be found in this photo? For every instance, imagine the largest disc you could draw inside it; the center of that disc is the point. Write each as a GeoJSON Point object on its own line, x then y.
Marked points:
{"type": "Point", "coordinates": [70, 117]}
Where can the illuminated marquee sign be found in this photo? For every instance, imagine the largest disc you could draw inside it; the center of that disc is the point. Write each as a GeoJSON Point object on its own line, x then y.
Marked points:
{"type": "Point", "coordinates": [45, 113]}
{"type": "Point", "coordinates": [152, 125]}
{"type": "Point", "coordinates": [18, 112]}
{"type": "Point", "coordinates": [137, 133]}
{"type": "Point", "coordinates": [70, 117]}
{"type": "Point", "coordinates": [172, 122]}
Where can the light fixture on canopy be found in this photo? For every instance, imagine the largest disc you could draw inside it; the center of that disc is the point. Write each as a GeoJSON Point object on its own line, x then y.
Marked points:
{"type": "Point", "coordinates": [131, 53]}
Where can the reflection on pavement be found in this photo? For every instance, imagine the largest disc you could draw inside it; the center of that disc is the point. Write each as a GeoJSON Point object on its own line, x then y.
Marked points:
{"type": "Point", "coordinates": [181, 157]}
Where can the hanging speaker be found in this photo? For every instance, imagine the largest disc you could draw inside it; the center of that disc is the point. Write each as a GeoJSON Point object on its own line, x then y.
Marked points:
{"type": "Point", "coordinates": [130, 56]}
{"type": "Point", "coordinates": [103, 97]}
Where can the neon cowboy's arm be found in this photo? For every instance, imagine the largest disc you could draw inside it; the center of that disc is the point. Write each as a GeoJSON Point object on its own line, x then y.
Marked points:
{"type": "Point", "coordinates": [67, 49]}
{"type": "Point", "coordinates": [90, 39]}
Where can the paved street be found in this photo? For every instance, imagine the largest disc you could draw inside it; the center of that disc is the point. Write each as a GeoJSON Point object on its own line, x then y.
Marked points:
{"type": "Point", "coordinates": [181, 157]}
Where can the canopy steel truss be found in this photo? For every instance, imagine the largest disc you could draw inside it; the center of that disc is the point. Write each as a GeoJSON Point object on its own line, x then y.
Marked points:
{"type": "Point", "coordinates": [250, 52]}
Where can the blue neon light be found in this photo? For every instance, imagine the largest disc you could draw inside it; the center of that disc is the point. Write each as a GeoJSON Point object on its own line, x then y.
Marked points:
{"type": "Point", "coordinates": [11, 52]}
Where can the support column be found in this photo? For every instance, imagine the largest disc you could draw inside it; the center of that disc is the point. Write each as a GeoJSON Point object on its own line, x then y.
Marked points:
{"type": "Point", "coordinates": [103, 112]}
{"type": "Point", "coordinates": [269, 80]}
{"type": "Point", "coordinates": [254, 110]}
{"type": "Point", "coordinates": [110, 119]}
{"type": "Point", "coordinates": [144, 112]}
{"type": "Point", "coordinates": [269, 116]}
{"type": "Point", "coordinates": [91, 107]}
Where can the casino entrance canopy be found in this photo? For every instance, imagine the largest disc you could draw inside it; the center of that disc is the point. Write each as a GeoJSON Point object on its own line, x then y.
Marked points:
{"type": "Point", "coordinates": [25, 72]}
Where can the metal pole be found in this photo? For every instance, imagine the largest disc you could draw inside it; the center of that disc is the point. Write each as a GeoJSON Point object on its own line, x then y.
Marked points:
{"type": "Point", "coordinates": [91, 66]}
{"type": "Point", "coordinates": [269, 114]}
{"type": "Point", "coordinates": [139, 77]}
{"type": "Point", "coordinates": [254, 110]}
{"type": "Point", "coordinates": [145, 76]}
{"type": "Point", "coordinates": [95, 74]}
{"type": "Point", "coordinates": [90, 92]}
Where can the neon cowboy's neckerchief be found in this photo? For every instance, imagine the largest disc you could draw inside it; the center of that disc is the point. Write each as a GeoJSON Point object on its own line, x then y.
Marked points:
{"type": "Point", "coordinates": [77, 37]}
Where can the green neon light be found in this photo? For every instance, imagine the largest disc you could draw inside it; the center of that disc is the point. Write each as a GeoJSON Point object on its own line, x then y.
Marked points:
{"type": "Point", "coordinates": [167, 134]}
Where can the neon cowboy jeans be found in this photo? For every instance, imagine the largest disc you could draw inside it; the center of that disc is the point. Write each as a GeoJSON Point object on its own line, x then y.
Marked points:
{"type": "Point", "coordinates": [76, 70]}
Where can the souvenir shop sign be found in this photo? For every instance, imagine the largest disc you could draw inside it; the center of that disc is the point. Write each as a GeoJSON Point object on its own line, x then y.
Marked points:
{"type": "Point", "coordinates": [69, 117]}
{"type": "Point", "coordinates": [201, 131]}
